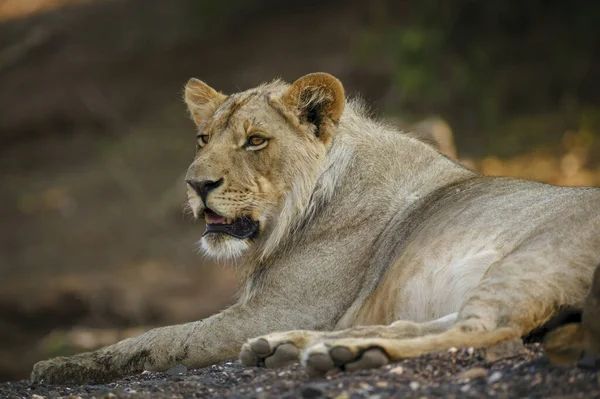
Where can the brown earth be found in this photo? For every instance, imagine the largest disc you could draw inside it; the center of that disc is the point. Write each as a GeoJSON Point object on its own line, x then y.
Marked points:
{"type": "Point", "coordinates": [454, 374]}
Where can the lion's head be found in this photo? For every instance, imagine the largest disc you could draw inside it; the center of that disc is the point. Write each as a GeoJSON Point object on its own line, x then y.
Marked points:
{"type": "Point", "coordinates": [258, 153]}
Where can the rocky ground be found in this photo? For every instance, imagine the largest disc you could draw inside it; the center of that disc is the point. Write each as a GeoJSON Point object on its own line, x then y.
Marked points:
{"type": "Point", "coordinates": [464, 373]}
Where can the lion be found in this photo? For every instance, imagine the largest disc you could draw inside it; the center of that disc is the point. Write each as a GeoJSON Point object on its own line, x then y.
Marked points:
{"type": "Point", "coordinates": [357, 245]}
{"type": "Point", "coordinates": [573, 336]}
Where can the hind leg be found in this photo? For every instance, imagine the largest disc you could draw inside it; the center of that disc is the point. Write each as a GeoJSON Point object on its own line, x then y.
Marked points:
{"type": "Point", "coordinates": [505, 305]}
{"type": "Point", "coordinates": [282, 348]}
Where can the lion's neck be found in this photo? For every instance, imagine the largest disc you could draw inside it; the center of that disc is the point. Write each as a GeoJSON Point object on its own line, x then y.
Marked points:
{"type": "Point", "coordinates": [372, 173]}
{"type": "Point", "coordinates": [371, 177]}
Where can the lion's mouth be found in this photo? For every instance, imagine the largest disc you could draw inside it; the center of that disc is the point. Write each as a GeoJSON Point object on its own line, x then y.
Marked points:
{"type": "Point", "coordinates": [242, 227]}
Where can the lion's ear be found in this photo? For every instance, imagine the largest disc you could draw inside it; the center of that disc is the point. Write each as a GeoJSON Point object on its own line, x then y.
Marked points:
{"type": "Point", "coordinates": [202, 100]}
{"type": "Point", "coordinates": [317, 98]}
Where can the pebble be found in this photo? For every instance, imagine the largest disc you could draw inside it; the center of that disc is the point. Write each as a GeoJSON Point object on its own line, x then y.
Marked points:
{"type": "Point", "coordinates": [365, 387]}
{"type": "Point", "coordinates": [34, 396]}
{"type": "Point", "coordinates": [495, 377]}
{"type": "Point", "coordinates": [414, 385]}
{"type": "Point", "coordinates": [180, 369]}
{"type": "Point", "coordinates": [504, 350]}
{"type": "Point", "coordinates": [397, 370]}
{"type": "Point", "coordinates": [473, 373]}
{"type": "Point", "coordinates": [313, 390]}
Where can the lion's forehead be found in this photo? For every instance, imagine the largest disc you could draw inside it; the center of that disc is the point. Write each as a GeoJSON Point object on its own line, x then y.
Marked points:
{"type": "Point", "coordinates": [248, 105]}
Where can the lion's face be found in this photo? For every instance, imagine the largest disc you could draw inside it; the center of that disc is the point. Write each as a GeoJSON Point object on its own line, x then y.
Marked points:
{"type": "Point", "coordinates": [255, 152]}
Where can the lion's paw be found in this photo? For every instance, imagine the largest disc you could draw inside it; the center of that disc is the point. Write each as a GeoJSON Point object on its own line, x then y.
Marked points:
{"type": "Point", "coordinates": [277, 349]}
{"type": "Point", "coordinates": [78, 369]}
{"type": "Point", "coordinates": [342, 354]}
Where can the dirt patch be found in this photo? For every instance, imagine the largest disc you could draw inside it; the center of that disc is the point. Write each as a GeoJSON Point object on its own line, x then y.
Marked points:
{"type": "Point", "coordinates": [464, 373]}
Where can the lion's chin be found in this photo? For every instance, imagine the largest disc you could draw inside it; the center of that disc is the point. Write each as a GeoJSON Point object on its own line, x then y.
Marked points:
{"type": "Point", "coordinates": [223, 247]}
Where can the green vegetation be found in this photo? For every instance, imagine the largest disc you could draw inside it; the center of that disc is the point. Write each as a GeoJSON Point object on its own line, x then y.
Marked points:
{"type": "Point", "coordinates": [523, 70]}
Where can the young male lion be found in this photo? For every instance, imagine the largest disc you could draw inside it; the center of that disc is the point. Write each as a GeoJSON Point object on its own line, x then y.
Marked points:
{"type": "Point", "coordinates": [365, 244]}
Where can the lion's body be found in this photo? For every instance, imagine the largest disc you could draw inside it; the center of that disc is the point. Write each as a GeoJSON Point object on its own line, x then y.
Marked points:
{"type": "Point", "coordinates": [359, 225]}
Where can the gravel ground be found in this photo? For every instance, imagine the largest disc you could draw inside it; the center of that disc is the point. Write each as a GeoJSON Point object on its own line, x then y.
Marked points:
{"type": "Point", "coordinates": [464, 373]}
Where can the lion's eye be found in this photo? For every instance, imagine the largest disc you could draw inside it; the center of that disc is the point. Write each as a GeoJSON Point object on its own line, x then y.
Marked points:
{"type": "Point", "coordinates": [256, 141]}
{"type": "Point", "coordinates": [204, 138]}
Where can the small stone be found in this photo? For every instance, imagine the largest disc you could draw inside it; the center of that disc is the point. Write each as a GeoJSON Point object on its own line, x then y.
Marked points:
{"type": "Point", "coordinates": [365, 387]}
{"type": "Point", "coordinates": [495, 377]}
{"type": "Point", "coordinates": [414, 385]}
{"type": "Point", "coordinates": [313, 391]}
{"type": "Point", "coordinates": [34, 396]}
{"type": "Point", "coordinates": [180, 369]}
{"type": "Point", "coordinates": [342, 396]}
{"type": "Point", "coordinates": [397, 370]}
{"type": "Point", "coordinates": [208, 379]}
{"type": "Point", "coordinates": [588, 362]}
{"type": "Point", "coordinates": [473, 374]}
{"type": "Point", "coordinates": [382, 384]}
{"type": "Point", "coordinates": [470, 350]}
{"type": "Point", "coordinates": [452, 350]}
{"type": "Point", "coordinates": [465, 388]}
{"type": "Point", "coordinates": [504, 350]}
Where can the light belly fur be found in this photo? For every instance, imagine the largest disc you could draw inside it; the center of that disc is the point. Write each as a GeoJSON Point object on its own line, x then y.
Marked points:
{"type": "Point", "coordinates": [443, 281]}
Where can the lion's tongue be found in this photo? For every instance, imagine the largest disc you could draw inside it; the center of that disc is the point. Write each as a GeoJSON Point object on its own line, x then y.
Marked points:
{"type": "Point", "coordinates": [213, 218]}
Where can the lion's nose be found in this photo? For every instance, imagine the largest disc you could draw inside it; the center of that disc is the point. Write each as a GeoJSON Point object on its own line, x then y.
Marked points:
{"type": "Point", "coordinates": [204, 187]}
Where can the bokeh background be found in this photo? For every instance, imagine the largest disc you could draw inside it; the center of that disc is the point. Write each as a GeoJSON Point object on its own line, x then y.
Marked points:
{"type": "Point", "coordinates": [94, 137]}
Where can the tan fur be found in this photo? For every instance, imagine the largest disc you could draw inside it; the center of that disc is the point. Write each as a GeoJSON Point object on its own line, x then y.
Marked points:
{"type": "Point", "coordinates": [201, 99]}
{"type": "Point", "coordinates": [570, 342]}
{"type": "Point", "coordinates": [358, 224]}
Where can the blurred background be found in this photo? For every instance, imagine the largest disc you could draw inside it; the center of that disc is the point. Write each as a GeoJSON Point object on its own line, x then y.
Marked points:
{"type": "Point", "coordinates": [94, 136]}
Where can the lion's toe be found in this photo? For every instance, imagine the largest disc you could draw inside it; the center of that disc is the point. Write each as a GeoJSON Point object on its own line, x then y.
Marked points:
{"type": "Point", "coordinates": [248, 357]}
{"type": "Point", "coordinates": [317, 364]}
{"type": "Point", "coordinates": [260, 352]}
{"type": "Point", "coordinates": [261, 347]}
{"type": "Point", "coordinates": [284, 355]}
{"type": "Point", "coordinates": [321, 358]}
{"type": "Point", "coordinates": [370, 359]}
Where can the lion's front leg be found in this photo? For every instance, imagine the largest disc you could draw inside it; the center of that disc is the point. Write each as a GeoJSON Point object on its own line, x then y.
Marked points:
{"type": "Point", "coordinates": [197, 344]}
{"type": "Point", "coordinates": [277, 349]}
{"type": "Point", "coordinates": [365, 353]}
{"type": "Point", "coordinates": [156, 349]}
{"type": "Point", "coordinates": [81, 368]}
{"type": "Point", "coordinates": [282, 348]}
